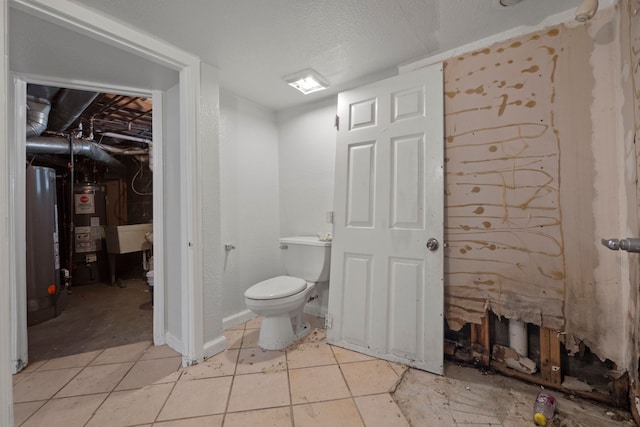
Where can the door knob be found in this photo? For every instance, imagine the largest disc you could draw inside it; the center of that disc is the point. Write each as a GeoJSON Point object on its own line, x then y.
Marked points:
{"type": "Point", "coordinates": [432, 244]}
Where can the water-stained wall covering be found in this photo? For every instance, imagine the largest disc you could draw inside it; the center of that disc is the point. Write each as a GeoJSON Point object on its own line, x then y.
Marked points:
{"type": "Point", "coordinates": [506, 249]}
{"type": "Point", "coordinates": [537, 172]}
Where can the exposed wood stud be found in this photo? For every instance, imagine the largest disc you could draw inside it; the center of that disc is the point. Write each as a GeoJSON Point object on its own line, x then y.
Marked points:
{"type": "Point", "coordinates": [550, 356]}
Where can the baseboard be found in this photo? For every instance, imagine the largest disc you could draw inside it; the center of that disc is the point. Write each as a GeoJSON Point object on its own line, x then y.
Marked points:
{"type": "Point", "coordinates": [215, 346]}
{"type": "Point", "coordinates": [236, 319]}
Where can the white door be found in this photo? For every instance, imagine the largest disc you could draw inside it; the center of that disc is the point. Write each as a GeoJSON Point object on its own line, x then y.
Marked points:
{"type": "Point", "coordinates": [386, 292]}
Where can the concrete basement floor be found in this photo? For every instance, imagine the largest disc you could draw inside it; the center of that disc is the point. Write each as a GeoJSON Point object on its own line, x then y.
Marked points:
{"type": "Point", "coordinates": [97, 316]}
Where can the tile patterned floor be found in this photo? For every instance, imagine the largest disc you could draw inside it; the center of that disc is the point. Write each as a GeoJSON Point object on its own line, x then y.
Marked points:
{"type": "Point", "coordinates": [310, 384]}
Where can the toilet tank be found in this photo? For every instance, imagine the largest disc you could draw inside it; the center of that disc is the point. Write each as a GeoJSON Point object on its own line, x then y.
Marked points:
{"type": "Point", "coordinates": [306, 257]}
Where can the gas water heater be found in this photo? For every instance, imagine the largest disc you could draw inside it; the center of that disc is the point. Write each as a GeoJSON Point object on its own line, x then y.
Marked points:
{"type": "Point", "coordinates": [43, 254]}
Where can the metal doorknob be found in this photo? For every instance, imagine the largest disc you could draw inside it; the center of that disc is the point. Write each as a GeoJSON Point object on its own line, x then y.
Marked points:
{"type": "Point", "coordinates": [432, 244]}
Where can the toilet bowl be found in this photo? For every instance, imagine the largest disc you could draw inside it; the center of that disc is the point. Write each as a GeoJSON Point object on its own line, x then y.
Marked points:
{"type": "Point", "coordinates": [280, 300]}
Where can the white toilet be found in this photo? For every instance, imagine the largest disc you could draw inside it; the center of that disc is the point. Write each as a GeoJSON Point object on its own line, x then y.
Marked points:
{"type": "Point", "coordinates": [280, 300]}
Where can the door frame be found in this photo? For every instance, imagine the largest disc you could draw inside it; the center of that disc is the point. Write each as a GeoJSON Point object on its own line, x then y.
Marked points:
{"type": "Point", "coordinates": [17, 156]}
{"type": "Point", "coordinates": [96, 26]}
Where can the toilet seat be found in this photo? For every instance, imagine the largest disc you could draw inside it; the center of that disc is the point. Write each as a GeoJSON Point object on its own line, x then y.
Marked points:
{"type": "Point", "coordinates": [276, 287]}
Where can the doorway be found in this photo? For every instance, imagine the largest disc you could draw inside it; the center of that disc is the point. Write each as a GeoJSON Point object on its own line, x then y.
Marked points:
{"type": "Point", "coordinates": [89, 231]}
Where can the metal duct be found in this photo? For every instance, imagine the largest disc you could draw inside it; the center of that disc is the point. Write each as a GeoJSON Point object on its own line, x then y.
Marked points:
{"type": "Point", "coordinates": [37, 115]}
{"type": "Point", "coordinates": [43, 145]}
{"type": "Point", "coordinates": [68, 106]}
{"type": "Point", "coordinates": [42, 92]}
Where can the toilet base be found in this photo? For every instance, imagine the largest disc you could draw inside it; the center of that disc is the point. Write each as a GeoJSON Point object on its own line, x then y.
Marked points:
{"type": "Point", "coordinates": [276, 332]}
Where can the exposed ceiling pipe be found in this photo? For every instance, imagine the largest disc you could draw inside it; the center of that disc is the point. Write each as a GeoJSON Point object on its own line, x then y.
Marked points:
{"type": "Point", "coordinates": [44, 145]}
{"type": "Point", "coordinates": [127, 137]}
{"type": "Point", "coordinates": [68, 106]}
{"type": "Point", "coordinates": [37, 115]}
{"type": "Point", "coordinates": [124, 151]}
{"type": "Point", "coordinates": [586, 10]}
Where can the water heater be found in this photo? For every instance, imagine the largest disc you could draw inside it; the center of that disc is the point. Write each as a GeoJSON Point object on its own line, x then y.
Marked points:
{"type": "Point", "coordinates": [89, 263]}
{"type": "Point", "coordinates": [43, 255]}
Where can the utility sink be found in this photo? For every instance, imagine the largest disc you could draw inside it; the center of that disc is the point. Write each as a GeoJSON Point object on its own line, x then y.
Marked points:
{"type": "Point", "coordinates": [123, 239]}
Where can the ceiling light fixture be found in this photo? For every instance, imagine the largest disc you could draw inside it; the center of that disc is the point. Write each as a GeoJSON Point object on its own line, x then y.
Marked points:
{"type": "Point", "coordinates": [307, 81]}
{"type": "Point", "coordinates": [509, 2]}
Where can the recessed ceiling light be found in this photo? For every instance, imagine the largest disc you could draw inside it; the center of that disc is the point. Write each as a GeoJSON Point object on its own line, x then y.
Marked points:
{"type": "Point", "coordinates": [307, 81]}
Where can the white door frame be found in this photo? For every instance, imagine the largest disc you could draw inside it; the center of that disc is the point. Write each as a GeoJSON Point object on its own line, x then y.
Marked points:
{"type": "Point", "coordinates": [6, 384]}
{"type": "Point", "coordinates": [98, 27]}
{"type": "Point", "coordinates": [17, 157]}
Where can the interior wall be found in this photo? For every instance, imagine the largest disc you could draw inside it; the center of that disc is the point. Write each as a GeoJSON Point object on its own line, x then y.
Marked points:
{"type": "Point", "coordinates": [630, 117]}
{"type": "Point", "coordinates": [537, 174]}
{"type": "Point", "coordinates": [249, 198]}
{"type": "Point", "coordinates": [307, 167]}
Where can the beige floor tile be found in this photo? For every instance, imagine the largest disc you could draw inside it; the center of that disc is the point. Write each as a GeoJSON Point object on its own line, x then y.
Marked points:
{"type": "Point", "coordinates": [171, 378]}
{"type": "Point", "coordinates": [336, 413]}
{"type": "Point", "coordinates": [316, 335]}
{"type": "Point", "coordinates": [146, 372]}
{"type": "Point", "coordinates": [273, 417]}
{"type": "Point", "coordinates": [123, 353]}
{"type": "Point", "coordinates": [259, 391]}
{"type": "Point", "coordinates": [96, 379]}
{"type": "Point", "coordinates": [253, 360]}
{"type": "Point", "coordinates": [196, 398]}
{"type": "Point", "coordinates": [210, 421]}
{"type": "Point", "coordinates": [74, 361]}
{"type": "Point", "coordinates": [22, 411]}
{"type": "Point", "coordinates": [305, 355]}
{"type": "Point", "coordinates": [42, 385]}
{"type": "Point", "coordinates": [234, 338]}
{"type": "Point", "coordinates": [125, 408]}
{"type": "Point", "coordinates": [398, 368]}
{"type": "Point", "coordinates": [254, 323]}
{"type": "Point", "coordinates": [347, 356]}
{"type": "Point", "coordinates": [380, 410]}
{"type": "Point", "coordinates": [67, 412]}
{"type": "Point", "coordinates": [317, 384]}
{"type": "Point", "coordinates": [159, 352]}
{"type": "Point", "coordinates": [19, 377]}
{"type": "Point", "coordinates": [220, 365]}
{"type": "Point", "coordinates": [34, 366]}
{"type": "Point", "coordinates": [250, 338]}
{"type": "Point", "coordinates": [371, 377]}
{"type": "Point", "coordinates": [237, 327]}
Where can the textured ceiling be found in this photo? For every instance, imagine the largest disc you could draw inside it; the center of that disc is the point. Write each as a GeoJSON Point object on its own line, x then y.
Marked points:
{"type": "Point", "coordinates": [254, 43]}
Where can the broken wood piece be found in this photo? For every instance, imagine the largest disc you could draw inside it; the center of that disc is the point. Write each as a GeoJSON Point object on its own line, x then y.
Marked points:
{"type": "Point", "coordinates": [513, 360]}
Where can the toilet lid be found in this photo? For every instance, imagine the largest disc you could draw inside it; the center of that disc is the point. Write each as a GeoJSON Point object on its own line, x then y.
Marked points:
{"type": "Point", "coordinates": [277, 287]}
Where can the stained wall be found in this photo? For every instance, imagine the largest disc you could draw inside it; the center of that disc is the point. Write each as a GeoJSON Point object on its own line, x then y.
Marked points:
{"type": "Point", "coordinates": [539, 131]}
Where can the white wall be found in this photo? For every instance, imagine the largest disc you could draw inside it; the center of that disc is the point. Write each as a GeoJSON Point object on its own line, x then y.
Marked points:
{"type": "Point", "coordinates": [249, 199]}
{"type": "Point", "coordinates": [307, 158]}
{"type": "Point", "coordinates": [307, 155]}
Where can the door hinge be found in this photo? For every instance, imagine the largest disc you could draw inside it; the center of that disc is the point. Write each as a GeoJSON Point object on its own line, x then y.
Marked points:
{"type": "Point", "coordinates": [328, 322]}
{"type": "Point", "coordinates": [337, 124]}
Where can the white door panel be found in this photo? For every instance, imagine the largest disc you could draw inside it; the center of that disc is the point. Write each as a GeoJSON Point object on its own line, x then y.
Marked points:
{"type": "Point", "coordinates": [386, 296]}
